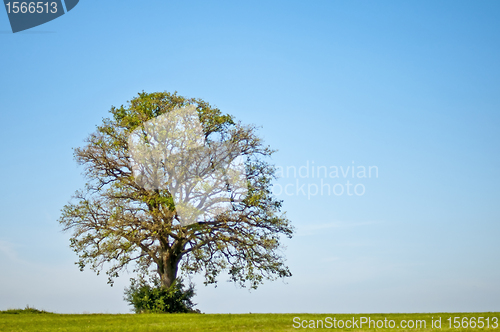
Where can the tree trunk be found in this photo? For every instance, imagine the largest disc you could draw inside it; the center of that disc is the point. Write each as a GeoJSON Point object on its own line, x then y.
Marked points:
{"type": "Point", "coordinates": [168, 270]}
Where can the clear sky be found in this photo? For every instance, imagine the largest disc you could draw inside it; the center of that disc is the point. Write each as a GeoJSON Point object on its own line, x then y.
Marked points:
{"type": "Point", "coordinates": [410, 87]}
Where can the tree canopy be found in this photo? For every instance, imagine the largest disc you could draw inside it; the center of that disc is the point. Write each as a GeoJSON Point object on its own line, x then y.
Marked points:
{"type": "Point", "coordinates": [117, 221]}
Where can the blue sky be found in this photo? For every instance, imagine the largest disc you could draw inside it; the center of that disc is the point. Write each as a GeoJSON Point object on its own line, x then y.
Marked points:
{"type": "Point", "coordinates": [409, 87]}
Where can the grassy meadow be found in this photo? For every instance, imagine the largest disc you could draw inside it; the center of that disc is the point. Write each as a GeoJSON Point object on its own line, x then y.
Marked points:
{"type": "Point", "coordinates": [34, 320]}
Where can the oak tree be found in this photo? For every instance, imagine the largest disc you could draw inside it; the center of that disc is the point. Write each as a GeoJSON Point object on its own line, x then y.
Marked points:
{"type": "Point", "coordinates": [116, 221]}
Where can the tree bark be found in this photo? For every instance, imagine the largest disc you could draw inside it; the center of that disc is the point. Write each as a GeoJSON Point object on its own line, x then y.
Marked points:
{"type": "Point", "coordinates": [168, 270]}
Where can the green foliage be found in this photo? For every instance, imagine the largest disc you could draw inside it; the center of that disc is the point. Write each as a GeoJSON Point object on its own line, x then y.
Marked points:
{"type": "Point", "coordinates": [27, 310]}
{"type": "Point", "coordinates": [154, 298]}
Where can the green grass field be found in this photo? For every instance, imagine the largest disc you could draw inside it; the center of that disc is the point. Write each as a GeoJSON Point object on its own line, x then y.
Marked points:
{"type": "Point", "coordinates": [21, 320]}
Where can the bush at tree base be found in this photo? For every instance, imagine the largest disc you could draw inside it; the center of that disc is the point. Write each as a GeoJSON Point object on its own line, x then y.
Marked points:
{"type": "Point", "coordinates": [154, 298]}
